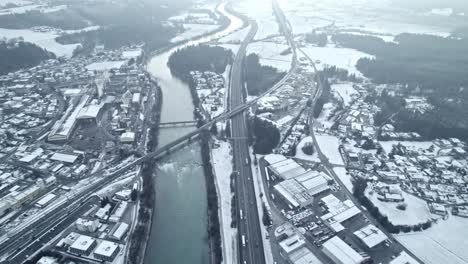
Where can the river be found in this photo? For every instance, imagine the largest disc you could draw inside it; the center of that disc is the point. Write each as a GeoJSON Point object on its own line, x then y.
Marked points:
{"type": "Point", "coordinates": [179, 230]}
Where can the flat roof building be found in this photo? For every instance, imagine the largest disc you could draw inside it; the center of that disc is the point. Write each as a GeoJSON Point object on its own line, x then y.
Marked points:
{"type": "Point", "coordinates": [83, 245]}
{"type": "Point", "coordinates": [106, 251]}
{"type": "Point", "coordinates": [300, 190]}
{"type": "Point", "coordinates": [284, 168]}
{"type": "Point", "coordinates": [371, 236]}
{"type": "Point", "coordinates": [340, 252]}
{"type": "Point", "coordinates": [303, 256]}
{"type": "Point", "coordinates": [404, 258]}
{"type": "Point", "coordinates": [120, 231]}
{"type": "Point", "coordinates": [44, 201]}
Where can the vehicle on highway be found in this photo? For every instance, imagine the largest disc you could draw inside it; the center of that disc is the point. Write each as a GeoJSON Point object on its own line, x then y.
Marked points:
{"type": "Point", "coordinates": [243, 241]}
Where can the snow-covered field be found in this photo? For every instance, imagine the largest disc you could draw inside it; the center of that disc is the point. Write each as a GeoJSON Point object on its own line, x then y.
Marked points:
{"type": "Point", "coordinates": [236, 37]}
{"type": "Point", "coordinates": [105, 65]}
{"type": "Point", "coordinates": [345, 91]}
{"type": "Point", "coordinates": [378, 16]}
{"type": "Point", "coordinates": [18, 10]}
{"type": "Point", "coordinates": [301, 155]}
{"type": "Point", "coordinates": [16, 2]}
{"type": "Point", "coordinates": [444, 242]}
{"type": "Point", "coordinates": [329, 146]}
{"type": "Point", "coordinates": [44, 40]}
{"type": "Point", "coordinates": [344, 177]}
{"type": "Point", "coordinates": [340, 57]}
{"type": "Point", "coordinates": [222, 163]}
{"type": "Point", "coordinates": [416, 212]}
{"type": "Point", "coordinates": [262, 12]}
{"type": "Point", "coordinates": [322, 121]}
{"type": "Point", "coordinates": [269, 53]}
{"type": "Point", "coordinates": [388, 145]}
{"type": "Point", "coordinates": [194, 30]}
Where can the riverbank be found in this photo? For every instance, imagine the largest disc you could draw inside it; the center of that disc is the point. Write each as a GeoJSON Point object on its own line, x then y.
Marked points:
{"type": "Point", "coordinates": [141, 233]}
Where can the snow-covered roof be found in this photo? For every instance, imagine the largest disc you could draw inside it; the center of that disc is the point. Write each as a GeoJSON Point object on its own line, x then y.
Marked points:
{"type": "Point", "coordinates": [338, 249]}
{"type": "Point", "coordinates": [83, 243]}
{"type": "Point", "coordinates": [371, 235]}
{"type": "Point", "coordinates": [68, 158]}
{"type": "Point", "coordinates": [106, 248]}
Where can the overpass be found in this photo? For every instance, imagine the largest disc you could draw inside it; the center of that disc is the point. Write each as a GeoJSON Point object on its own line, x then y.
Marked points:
{"type": "Point", "coordinates": [177, 124]}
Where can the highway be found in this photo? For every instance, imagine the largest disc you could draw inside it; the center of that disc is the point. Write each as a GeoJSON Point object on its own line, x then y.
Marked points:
{"type": "Point", "coordinates": [249, 228]}
{"type": "Point", "coordinates": [250, 241]}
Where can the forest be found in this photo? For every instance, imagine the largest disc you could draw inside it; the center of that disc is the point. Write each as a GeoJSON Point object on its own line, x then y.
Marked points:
{"type": "Point", "coordinates": [199, 58]}
{"type": "Point", "coordinates": [259, 78]}
{"type": "Point", "coordinates": [436, 65]}
{"type": "Point", "coordinates": [17, 55]}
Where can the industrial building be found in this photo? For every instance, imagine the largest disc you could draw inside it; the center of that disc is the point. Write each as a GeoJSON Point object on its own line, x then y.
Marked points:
{"type": "Point", "coordinates": [300, 190]}
{"type": "Point", "coordinates": [338, 251]}
{"type": "Point", "coordinates": [338, 211]}
{"type": "Point", "coordinates": [404, 258]}
{"type": "Point", "coordinates": [44, 201]}
{"type": "Point", "coordinates": [119, 212]}
{"type": "Point", "coordinates": [106, 251]}
{"type": "Point", "coordinates": [283, 167]}
{"type": "Point", "coordinates": [83, 245]}
{"type": "Point", "coordinates": [303, 256]}
{"type": "Point", "coordinates": [85, 225]}
{"type": "Point", "coordinates": [120, 231]}
{"type": "Point", "coordinates": [371, 236]}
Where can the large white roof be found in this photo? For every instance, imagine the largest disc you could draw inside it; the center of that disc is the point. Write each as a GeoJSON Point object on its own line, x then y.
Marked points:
{"type": "Point", "coordinates": [371, 235]}
{"type": "Point", "coordinates": [340, 250]}
{"type": "Point", "coordinates": [83, 243]}
{"type": "Point", "coordinates": [106, 248]}
{"type": "Point", "coordinates": [64, 157]}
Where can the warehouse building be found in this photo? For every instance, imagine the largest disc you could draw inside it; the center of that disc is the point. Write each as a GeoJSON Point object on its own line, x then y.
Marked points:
{"type": "Point", "coordinates": [371, 236]}
{"type": "Point", "coordinates": [44, 201]}
{"type": "Point", "coordinates": [83, 245]}
{"type": "Point", "coordinates": [120, 231]}
{"type": "Point", "coordinates": [300, 190]}
{"type": "Point", "coordinates": [338, 251]}
{"type": "Point", "coordinates": [303, 256]}
{"type": "Point", "coordinates": [282, 167]}
{"type": "Point", "coordinates": [404, 258]}
{"type": "Point", "coordinates": [338, 211]}
{"type": "Point", "coordinates": [106, 251]}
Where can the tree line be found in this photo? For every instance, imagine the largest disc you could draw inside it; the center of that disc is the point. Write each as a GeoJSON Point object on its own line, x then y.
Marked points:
{"type": "Point", "coordinates": [359, 187]}
{"type": "Point", "coordinates": [18, 55]}
{"type": "Point", "coordinates": [199, 58]}
{"type": "Point", "coordinates": [259, 78]}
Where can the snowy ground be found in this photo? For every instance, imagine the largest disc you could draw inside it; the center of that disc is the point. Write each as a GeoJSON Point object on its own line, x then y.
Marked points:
{"type": "Point", "coordinates": [344, 177]}
{"type": "Point", "coordinates": [417, 211]}
{"type": "Point", "coordinates": [444, 242]}
{"type": "Point", "coordinates": [233, 47]}
{"type": "Point", "coordinates": [388, 145]}
{"type": "Point", "coordinates": [236, 37]}
{"type": "Point", "coordinates": [44, 40]}
{"type": "Point", "coordinates": [222, 163]}
{"type": "Point", "coordinates": [269, 53]}
{"type": "Point", "coordinates": [378, 16]}
{"type": "Point", "coordinates": [340, 57]}
{"type": "Point", "coordinates": [301, 155]}
{"type": "Point", "coordinates": [105, 65]}
{"type": "Point", "coordinates": [261, 200]}
{"type": "Point", "coordinates": [262, 12]}
{"type": "Point", "coordinates": [194, 30]}
{"type": "Point", "coordinates": [16, 2]}
{"type": "Point", "coordinates": [322, 121]}
{"type": "Point", "coordinates": [329, 145]}
{"type": "Point", "coordinates": [345, 91]}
